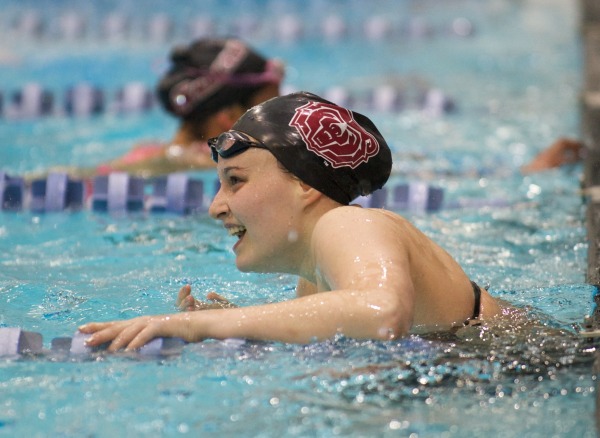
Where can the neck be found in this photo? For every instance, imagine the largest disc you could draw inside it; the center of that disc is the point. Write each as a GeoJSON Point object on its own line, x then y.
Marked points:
{"type": "Point", "coordinates": [305, 266]}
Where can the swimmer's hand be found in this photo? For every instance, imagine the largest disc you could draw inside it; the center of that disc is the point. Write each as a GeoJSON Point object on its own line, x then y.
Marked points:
{"type": "Point", "coordinates": [186, 302]}
{"type": "Point", "coordinates": [133, 334]}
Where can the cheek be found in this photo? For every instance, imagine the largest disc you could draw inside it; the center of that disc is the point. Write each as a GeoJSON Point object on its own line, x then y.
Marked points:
{"type": "Point", "coordinates": [253, 210]}
{"type": "Point", "coordinates": [272, 215]}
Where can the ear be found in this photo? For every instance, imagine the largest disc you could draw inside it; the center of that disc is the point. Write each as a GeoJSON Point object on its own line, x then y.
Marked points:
{"type": "Point", "coordinates": [309, 195]}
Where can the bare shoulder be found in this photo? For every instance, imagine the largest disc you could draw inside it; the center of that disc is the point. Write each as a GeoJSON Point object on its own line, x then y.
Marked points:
{"type": "Point", "coordinates": [362, 224]}
{"type": "Point", "coordinates": [378, 232]}
{"type": "Point", "coordinates": [358, 219]}
{"type": "Point", "coordinates": [354, 213]}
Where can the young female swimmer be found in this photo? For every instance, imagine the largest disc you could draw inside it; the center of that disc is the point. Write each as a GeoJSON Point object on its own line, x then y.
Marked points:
{"type": "Point", "coordinates": [289, 169]}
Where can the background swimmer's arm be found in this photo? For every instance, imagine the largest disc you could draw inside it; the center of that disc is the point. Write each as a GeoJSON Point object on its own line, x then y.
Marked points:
{"type": "Point", "coordinates": [562, 151]}
{"type": "Point", "coordinates": [191, 157]}
{"type": "Point", "coordinates": [72, 172]}
{"type": "Point", "coordinates": [159, 162]}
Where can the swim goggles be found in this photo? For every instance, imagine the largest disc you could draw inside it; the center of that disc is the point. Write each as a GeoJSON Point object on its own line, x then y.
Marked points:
{"type": "Point", "coordinates": [231, 143]}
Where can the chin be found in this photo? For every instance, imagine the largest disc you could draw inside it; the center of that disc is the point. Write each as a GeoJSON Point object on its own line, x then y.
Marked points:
{"type": "Point", "coordinates": [248, 266]}
{"type": "Point", "coordinates": [244, 265]}
{"type": "Point", "coordinates": [241, 267]}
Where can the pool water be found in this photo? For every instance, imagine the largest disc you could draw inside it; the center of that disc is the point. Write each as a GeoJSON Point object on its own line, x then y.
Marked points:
{"type": "Point", "coordinates": [514, 81]}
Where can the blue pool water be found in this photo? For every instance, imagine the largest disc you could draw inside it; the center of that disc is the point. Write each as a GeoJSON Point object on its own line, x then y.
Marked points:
{"type": "Point", "coordinates": [514, 80]}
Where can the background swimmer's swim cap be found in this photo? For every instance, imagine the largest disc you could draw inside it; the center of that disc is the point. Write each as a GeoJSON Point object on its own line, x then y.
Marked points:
{"type": "Point", "coordinates": [337, 151]}
{"type": "Point", "coordinates": [210, 74]}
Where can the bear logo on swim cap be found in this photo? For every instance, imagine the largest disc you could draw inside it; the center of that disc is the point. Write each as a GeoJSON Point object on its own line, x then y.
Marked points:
{"type": "Point", "coordinates": [332, 133]}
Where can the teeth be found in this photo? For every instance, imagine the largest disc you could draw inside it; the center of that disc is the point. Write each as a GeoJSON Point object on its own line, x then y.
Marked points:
{"type": "Point", "coordinates": [236, 231]}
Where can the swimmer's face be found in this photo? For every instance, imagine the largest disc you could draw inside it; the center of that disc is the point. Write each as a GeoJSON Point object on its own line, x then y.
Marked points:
{"type": "Point", "coordinates": [258, 204]}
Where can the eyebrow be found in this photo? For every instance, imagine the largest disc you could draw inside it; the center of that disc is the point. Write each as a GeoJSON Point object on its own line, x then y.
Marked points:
{"type": "Point", "coordinates": [227, 170]}
{"type": "Point", "coordinates": [230, 168]}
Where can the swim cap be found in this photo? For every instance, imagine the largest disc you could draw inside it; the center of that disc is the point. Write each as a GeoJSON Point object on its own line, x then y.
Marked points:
{"type": "Point", "coordinates": [337, 151]}
{"type": "Point", "coordinates": [211, 74]}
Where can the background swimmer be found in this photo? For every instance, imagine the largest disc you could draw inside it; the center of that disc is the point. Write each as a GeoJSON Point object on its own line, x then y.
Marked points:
{"type": "Point", "coordinates": [208, 86]}
{"type": "Point", "coordinates": [289, 169]}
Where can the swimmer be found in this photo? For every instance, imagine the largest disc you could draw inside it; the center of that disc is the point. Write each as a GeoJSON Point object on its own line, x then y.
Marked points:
{"type": "Point", "coordinates": [289, 169]}
{"type": "Point", "coordinates": [209, 85]}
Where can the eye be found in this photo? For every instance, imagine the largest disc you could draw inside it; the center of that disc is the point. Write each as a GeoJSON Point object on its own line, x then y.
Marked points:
{"type": "Point", "coordinates": [233, 180]}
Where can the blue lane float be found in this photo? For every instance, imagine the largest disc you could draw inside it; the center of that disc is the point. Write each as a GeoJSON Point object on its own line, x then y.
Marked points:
{"type": "Point", "coordinates": [16, 342]}
{"type": "Point", "coordinates": [84, 99]}
{"type": "Point", "coordinates": [12, 190]}
{"type": "Point", "coordinates": [30, 101]}
{"type": "Point", "coordinates": [56, 193]}
{"type": "Point", "coordinates": [177, 193]}
{"type": "Point", "coordinates": [33, 100]}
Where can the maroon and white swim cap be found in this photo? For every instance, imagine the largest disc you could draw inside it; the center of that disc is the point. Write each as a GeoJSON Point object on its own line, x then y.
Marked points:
{"type": "Point", "coordinates": [337, 151]}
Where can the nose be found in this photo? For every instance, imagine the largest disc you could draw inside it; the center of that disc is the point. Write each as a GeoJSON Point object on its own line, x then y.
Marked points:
{"type": "Point", "coordinates": [218, 208]}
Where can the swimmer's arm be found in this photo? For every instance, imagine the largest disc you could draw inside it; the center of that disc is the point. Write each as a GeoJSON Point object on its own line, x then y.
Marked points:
{"type": "Point", "coordinates": [562, 151]}
{"type": "Point", "coordinates": [143, 167]}
{"type": "Point", "coordinates": [373, 299]}
{"type": "Point", "coordinates": [364, 255]}
{"type": "Point", "coordinates": [356, 314]}
{"type": "Point", "coordinates": [72, 172]}
{"type": "Point", "coordinates": [193, 158]}
{"type": "Point", "coordinates": [160, 165]}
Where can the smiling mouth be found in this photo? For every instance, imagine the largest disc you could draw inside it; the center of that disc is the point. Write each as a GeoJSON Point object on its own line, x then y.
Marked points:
{"type": "Point", "coordinates": [237, 231]}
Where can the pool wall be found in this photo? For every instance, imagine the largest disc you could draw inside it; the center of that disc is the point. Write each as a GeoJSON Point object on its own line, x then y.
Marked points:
{"type": "Point", "coordinates": [590, 30]}
{"type": "Point", "coordinates": [590, 117]}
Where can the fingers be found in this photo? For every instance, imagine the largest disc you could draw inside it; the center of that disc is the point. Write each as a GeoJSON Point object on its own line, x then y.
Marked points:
{"type": "Point", "coordinates": [130, 334]}
{"type": "Point", "coordinates": [132, 338]}
{"type": "Point", "coordinates": [215, 301]}
{"type": "Point", "coordinates": [219, 301]}
{"type": "Point", "coordinates": [213, 296]}
{"type": "Point", "coordinates": [183, 294]}
{"type": "Point", "coordinates": [102, 332]}
{"type": "Point", "coordinates": [93, 327]}
{"type": "Point", "coordinates": [186, 302]}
